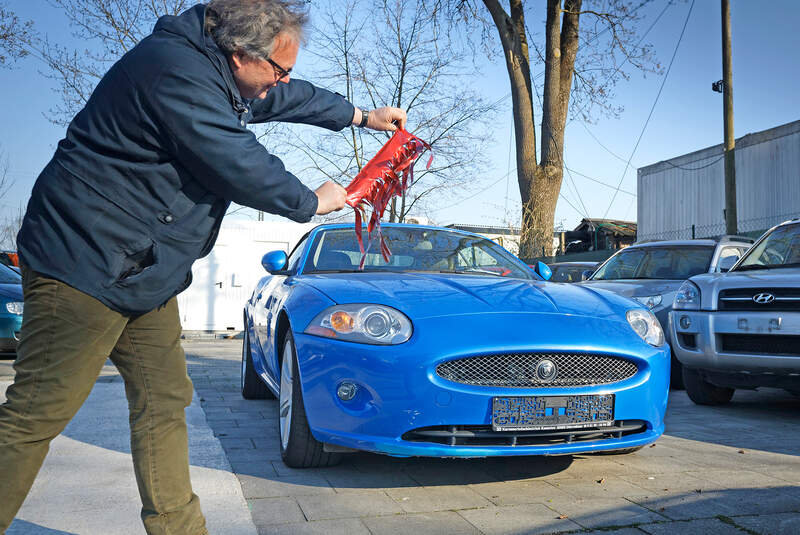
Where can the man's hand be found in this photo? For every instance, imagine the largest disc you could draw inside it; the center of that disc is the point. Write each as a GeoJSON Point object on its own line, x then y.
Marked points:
{"type": "Point", "coordinates": [330, 197]}
{"type": "Point", "coordinates": [383, 118]}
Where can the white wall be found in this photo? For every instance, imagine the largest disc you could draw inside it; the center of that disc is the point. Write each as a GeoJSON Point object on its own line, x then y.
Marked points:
{"type": "Point", "coordinates": [224, 279]}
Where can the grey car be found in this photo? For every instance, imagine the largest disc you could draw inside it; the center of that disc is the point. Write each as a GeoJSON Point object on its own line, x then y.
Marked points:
{"type": "Point", "coordinates": [652, 272]}
{"type": "Point", "coordinates": [741, 329]}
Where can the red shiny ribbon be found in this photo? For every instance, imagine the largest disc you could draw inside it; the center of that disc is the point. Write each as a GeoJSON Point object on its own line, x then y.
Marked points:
{"type": "Point", "coordinates": [389, 173]}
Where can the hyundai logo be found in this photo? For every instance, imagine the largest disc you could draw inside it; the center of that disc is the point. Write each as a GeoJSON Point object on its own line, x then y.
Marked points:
{"type": "Point", "coordinates": [764, 298]}
{"type": "Point", "coordinates": [546, 371]}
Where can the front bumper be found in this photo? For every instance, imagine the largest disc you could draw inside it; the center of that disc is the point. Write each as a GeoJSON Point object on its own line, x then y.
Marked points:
{"type": "Point", "coordinates": [400, 391]}
{"type": "Point", "coordinates": [699, 344]}
{"type": "Point", "coordinates": [10, 325]}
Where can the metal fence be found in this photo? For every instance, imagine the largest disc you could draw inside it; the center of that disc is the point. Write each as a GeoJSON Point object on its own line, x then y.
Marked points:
{"type": "Point", "coordinates": [747, 227]}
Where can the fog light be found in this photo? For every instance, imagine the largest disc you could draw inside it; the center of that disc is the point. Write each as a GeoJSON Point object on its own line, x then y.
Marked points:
{"type": "Point", "coordinates": [347, 391]}
{"type": "Point", "coordinates": [685, 322]}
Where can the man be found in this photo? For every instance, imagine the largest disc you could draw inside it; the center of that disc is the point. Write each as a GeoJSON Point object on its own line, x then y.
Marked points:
{"type": "Point", "coordinates": [134, 194]}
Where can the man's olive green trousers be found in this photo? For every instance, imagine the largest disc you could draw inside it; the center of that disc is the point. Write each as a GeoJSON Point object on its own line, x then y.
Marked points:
{"type": "Point", "coordinates": [65, 340]}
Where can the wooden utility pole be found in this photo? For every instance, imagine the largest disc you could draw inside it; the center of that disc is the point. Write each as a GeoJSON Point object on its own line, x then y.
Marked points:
{"type": "Point", "coordinates": [727, 107]}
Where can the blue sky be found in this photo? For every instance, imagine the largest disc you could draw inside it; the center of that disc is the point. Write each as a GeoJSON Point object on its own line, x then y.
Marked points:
{"type": "Point", "coordinates": [688, 115]}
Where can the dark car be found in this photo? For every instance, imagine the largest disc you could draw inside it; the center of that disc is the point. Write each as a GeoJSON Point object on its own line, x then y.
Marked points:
{"type": "Point", "coordinates": [652, 272]}
{"type": "Point", "coordinates": [570, 271]}
{"type": "Point", "coordinates": [10, 308]}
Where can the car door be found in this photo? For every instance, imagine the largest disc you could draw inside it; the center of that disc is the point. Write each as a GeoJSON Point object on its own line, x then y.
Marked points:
{"type": "Point", "coordinates": [268, 305]}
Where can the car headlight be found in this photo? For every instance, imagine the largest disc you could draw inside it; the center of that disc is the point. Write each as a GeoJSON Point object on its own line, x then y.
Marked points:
{"type": "Point", "coordinates": [646, 325]}
{"type": "Point", "coordinates": [15, 307]}
{"type": "Point", "coordinates": [650, 301]}
{"type": "Point", "coordinates": [688, 297]}
{"type": "Point", "coordinates": [363, 323]}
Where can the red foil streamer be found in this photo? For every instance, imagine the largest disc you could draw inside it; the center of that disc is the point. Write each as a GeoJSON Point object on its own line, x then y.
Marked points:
{"type": "Point", "coordinates": [388, 174]}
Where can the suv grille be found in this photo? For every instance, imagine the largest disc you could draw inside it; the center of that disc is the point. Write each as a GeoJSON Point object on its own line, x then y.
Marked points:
{"type": "Point", "coordinates": [784, 299]}
{"type": "Point", "coordinates": [766, 344]}
{"type": "Point", "coordinates": [521, 370]}
{"type": "Point", "coordinates": [483, 435]}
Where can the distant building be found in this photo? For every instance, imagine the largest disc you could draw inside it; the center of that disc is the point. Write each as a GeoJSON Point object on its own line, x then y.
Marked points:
{"type": "Point", "coordinates": [597, 235]}
{"type": "Point", "coordinates": [224, 280]}
{"type": "Point", "coordinates": [684, 197]}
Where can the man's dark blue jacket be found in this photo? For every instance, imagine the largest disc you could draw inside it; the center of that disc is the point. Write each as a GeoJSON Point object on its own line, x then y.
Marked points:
{"type": "Point", "coordinates": [137, 189]}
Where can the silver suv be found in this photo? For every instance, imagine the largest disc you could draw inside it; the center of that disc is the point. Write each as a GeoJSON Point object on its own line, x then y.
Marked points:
{"type": "Point", "coordinates": [652, 272]}
{"type": "Point", "coordinates": [741, 329]}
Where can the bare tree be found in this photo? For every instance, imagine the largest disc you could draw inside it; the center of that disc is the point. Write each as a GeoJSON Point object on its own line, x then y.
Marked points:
{"type": "Point", "coordinates": [108, 29]}
{"type": "Point", "coordinates": [580, 61]}
{"type": "Point", "coordinates": [397, 53]}
{"type": "Point", "coordinates": [15, 35]}
{"type": "Point", "coordinates": [9, 224]}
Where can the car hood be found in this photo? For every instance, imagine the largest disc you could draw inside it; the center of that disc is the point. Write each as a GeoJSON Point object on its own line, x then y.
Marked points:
{"type": "Point", "coordinates": [11, 292]}
{"type": "Point", "coordinates": [421, 295]}
{"type": "Point", "coordinates": [711, 284]}
{"type": "Point", "coordinates": [635, 287]}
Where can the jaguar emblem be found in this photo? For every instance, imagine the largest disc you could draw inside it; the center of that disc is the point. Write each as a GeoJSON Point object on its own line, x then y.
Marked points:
{"type": "Point", "coordinates": [546, 371]}
{"type": "Point", "coordinates": [764, 298]}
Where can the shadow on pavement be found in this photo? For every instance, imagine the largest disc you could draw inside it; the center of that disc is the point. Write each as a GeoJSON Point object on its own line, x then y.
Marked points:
{"type": "Point", "coordinates": [763, 420]}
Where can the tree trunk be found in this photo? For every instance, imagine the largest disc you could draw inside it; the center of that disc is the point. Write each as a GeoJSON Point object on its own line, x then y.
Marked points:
{"type": "Point", "coordinates": [511, 29]}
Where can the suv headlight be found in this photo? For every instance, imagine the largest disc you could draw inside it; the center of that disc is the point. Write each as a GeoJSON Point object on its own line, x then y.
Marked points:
{"type": "Point", "coordinates": [15, 307]}
{"type": "Point", "coordinates": [363, 323]}
{"type": "Point", "coordinates": [646, 325]}
{"type": "Point", "coordinates": [650, 301]}
{"type": "Point", "coordinates": [688, 297]}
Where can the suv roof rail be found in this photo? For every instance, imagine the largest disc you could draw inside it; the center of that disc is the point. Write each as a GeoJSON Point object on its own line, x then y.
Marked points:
{"type": "Point", "coordinates": [735, 237]}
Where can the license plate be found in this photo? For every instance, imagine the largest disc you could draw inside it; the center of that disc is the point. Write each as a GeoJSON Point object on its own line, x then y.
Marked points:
{"type": "Point", "coordinates": [547, 413]}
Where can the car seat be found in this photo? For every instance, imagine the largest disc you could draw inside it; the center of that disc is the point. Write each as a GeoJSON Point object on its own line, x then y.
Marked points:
{"type": "Point", "coordinates": [334, 260]}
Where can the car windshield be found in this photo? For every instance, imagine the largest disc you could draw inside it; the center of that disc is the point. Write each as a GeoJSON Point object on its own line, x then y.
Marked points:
{"type": "Point", "coordinates": [568, 273]}
{"type": "Point", "coordinates": [9, 276]}
{"type": "Point", "coordinates": [414, 249]}
{"type": "Point", "coordinates": [780, 249]}
{"type": "Point", "coordinates": [657, 262]}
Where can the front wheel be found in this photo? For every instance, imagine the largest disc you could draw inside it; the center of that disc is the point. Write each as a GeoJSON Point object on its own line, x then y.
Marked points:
{"type": "Point", "coordinates": [299, 448]}
{"type": "Point", "coordinates": [702, 392]}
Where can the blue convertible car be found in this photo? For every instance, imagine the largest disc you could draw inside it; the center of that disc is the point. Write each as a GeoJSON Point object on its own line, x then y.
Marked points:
{"type": "Point", "coordinates": [454, 348]}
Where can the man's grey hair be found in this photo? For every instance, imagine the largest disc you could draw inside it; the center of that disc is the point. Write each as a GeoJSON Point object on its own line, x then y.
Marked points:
{"type": "Point", "coordinates": [251, 26]}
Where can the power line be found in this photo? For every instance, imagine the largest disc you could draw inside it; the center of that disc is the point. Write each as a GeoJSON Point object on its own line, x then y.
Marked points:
{"type": "Point", "coordinates": [598, 181]}
{"type": "Point", "coordinates": [652, 109]}
{"type": "Point", "coordinates": [694, 168]}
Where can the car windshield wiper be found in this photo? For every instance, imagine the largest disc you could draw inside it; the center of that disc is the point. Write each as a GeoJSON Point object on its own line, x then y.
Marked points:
{"type": "Point", "coordinates": [470, 271]}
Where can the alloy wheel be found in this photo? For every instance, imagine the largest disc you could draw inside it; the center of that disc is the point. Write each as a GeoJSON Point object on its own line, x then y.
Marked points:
{"type": "Point", "coordinates": [285, 402]}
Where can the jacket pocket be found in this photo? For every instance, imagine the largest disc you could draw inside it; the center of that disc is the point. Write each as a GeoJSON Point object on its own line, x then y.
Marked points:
{"type": "Point", "coordinates": [133, 262]}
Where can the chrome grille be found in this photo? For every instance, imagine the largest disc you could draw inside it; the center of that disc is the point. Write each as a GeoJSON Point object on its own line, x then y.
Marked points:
{"type": "Point", "coordinates": [519, 371]}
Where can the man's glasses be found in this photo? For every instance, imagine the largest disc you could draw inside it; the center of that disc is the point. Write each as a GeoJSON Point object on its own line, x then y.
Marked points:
{"type": "Point", "coordinates": [280, 71]}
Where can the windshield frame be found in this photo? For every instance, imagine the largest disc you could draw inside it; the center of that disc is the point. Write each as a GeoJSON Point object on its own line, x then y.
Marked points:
{"type": "Point", "coordinates": [740, 264]}
{"type": "Point", "coordinates": [524, 270]}
{"type": "Point", "coordinates": [646, 250]}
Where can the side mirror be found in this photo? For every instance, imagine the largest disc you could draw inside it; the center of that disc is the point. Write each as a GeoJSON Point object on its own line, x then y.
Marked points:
{"type": "Point", "coordinates": [543, 270]}
{"type": "Point", "coordinates": [274, 261]}
{"type": "Point", "coordinates": [586, 274]}
{"type": "Point", "coordinates": [727, 263]}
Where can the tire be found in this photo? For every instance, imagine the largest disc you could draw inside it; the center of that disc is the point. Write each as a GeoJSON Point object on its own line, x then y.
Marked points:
{"type": "Point", "coordinates": [299, 448]}
{"type": "Point", "coordinates": [675, 373]}
{"type": "Point", "coordinates": [252, 385]}
{"type": "Point", "coordinates": [702, 392]}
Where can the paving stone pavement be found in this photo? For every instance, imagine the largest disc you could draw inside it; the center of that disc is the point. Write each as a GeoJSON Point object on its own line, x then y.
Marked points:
{"type": "Point", "coordinates": [730, 469]}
